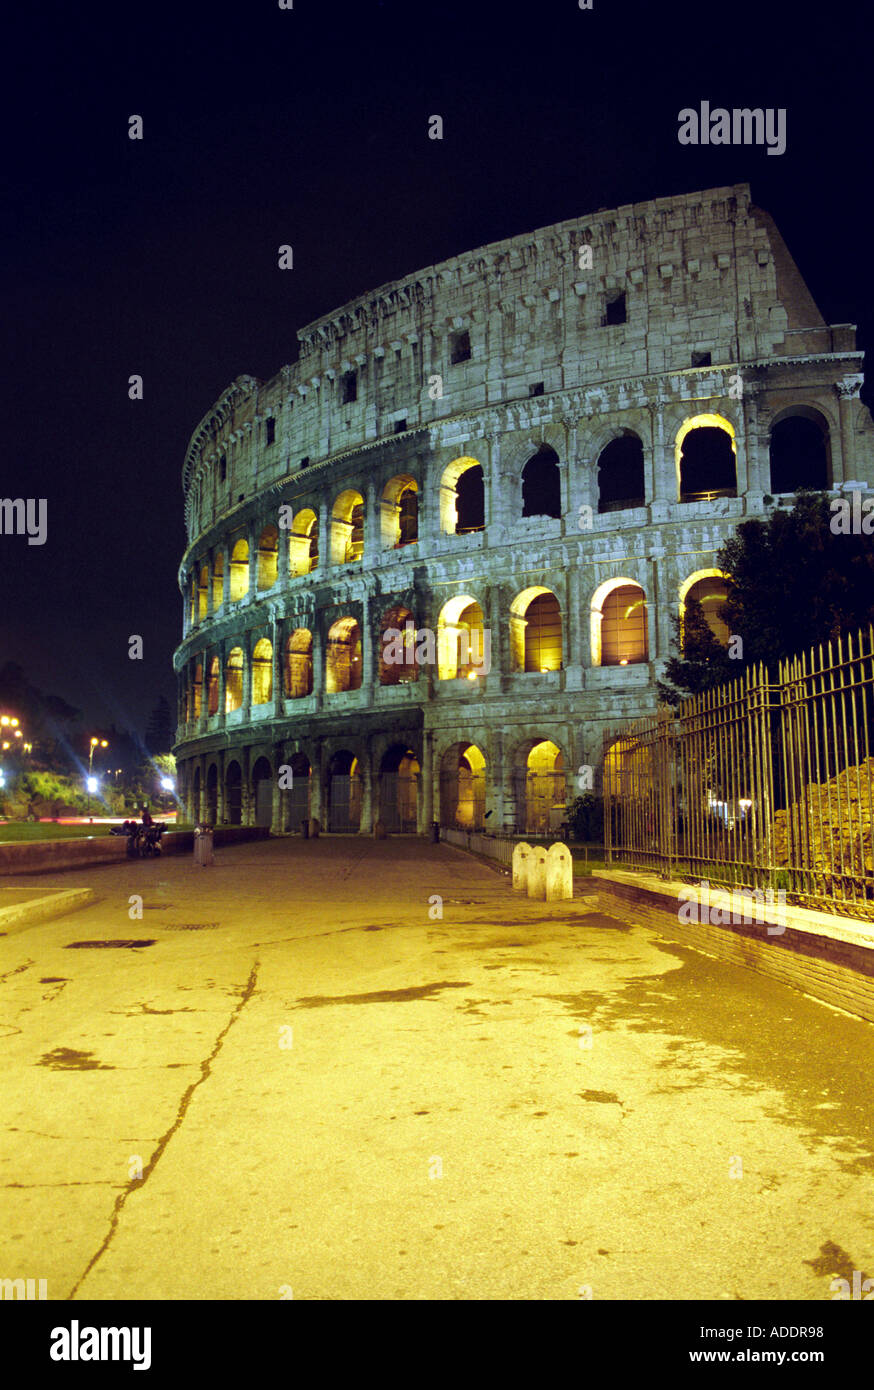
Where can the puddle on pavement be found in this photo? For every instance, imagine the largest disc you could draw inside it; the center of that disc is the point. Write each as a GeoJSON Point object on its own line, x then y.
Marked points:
{"type": "Point", "coordinates": [69, 1059]}
{"type": "Point", "coordinates": [769, 1037]}
{"type": "Point", "coordinates": [108, 945]}
{"type": "Point", "coordinates": [382, 996]}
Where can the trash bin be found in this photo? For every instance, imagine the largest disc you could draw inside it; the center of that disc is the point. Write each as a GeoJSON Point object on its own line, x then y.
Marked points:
{"type": "Point", "coordinates": [435, 832]}
{"type": "Point", "coordinates": [305, 829]}
{"type": "Point", "coordinates": [203, 845]}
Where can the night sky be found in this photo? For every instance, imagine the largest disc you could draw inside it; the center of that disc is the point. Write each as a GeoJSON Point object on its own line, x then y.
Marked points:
{"type": "Point", "coordinates": [309, 126]}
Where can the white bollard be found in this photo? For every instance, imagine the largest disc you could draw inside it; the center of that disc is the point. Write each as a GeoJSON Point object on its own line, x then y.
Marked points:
{"type": "Point", "coordinates": [559, 873]}
{"type": "Point", "coordinates": [521, 854]}
{"type": "Point", "coordinates": [537, 872]}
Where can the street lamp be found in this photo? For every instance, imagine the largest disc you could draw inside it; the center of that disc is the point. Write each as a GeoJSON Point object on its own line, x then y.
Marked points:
{"type": "Point", "coordinates": [92, 781]}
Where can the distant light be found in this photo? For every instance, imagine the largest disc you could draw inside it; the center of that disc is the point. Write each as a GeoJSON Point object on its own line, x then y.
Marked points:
{"type": "Point", "coordinates": [4, 719]}
{"type": "Point", "coordinates": [91, 784]}
{"type": "Point", "coordinates": [471, 675]}
{"type": "Point", "coordinates": [18, 733]}
{"type": "Point", "coordinates": [167, 783]}
{"type": "Point", "coordinates": [624, 661]}
{"type": "Point", "coordinates": [2, 777]}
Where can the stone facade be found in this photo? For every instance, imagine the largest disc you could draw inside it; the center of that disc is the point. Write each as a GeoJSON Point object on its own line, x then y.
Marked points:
{"type": "Point", "coordinates": [345, 496]}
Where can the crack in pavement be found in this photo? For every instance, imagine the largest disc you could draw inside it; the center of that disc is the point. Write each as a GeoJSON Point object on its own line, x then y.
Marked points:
{"type": "Point", "coordinates": [137, 1184]}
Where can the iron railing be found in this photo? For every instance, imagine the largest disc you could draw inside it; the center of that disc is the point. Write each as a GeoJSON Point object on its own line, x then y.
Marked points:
{"type": "Point", "coordinates": [766, 782]}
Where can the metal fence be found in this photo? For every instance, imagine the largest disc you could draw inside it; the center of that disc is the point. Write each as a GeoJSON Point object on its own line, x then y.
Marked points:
{"type": "Point", "coordinates": [765, 782]}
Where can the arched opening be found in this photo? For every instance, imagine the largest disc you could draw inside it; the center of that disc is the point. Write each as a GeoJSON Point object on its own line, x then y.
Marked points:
{"type": "Point", "coordinates": [535, 631]}
{"type": "Point", "coordinates": [344, 793]}
{"type": "Point", "coordinates": [234, 680]}
{"type": "Point", "coordinates": [233, 794]}
{"type": "Point", "coordinates": [399, 790]}
{"type": "Point", "coordinates": [800, 451]}
{"type": "Point", "coordinates": [212, 689]}
{"type": "Point", "coordinates": [268, 557]}
{"type": "Point", "coordinates": [197, 691]}
{"type": "Point", "coordinates": [299, 664]}
{"type": "Point", "coordinates": [619, 626]}
{"type": "Point", "coordinates": [262, 672]}
{"type": "Point", "coordinates": [239, 570]}
{"type": "Point", "coordinates": [347, 528]}
{"type": "Point", "coordinates": [541, 484]}
{"type": "Point", "coordinates": [218, 582]}
{"type": "Point", "coordinates": [399, 508]}
{"type": "Point", "coordinates": [542, 806]}
{"type": "Point", "coordinates": [202, 593]}
{"type": "Point", "coordinates": [192, 601]}
{"type": "Point", "coordinates": [463, 787]}
{"type": "Point", "coordinates": [397, 647]}
{"type": "Point", "coordinates": [262, 792]}
{"type": "Point", "coordinates": [303, 543]}
{"type": "Point", "coordinates": [195, 796]}
{"type": "Point", "coordinates": [462, 497]}
{"type": "Point", "coordinates": [706, 459]}
{"type": "Point", "coordinates": [710, 588]}
{"type": "Point", "coordinates": [620, 474]}
{"type": "Point", "coordinates": [343, 659]}
{"type": "Point", "coordinates": [461, 644]}
{"type": "Point", "coordinates": [212, 794]}
{"type": "Point", "coordinates": [297, 797]}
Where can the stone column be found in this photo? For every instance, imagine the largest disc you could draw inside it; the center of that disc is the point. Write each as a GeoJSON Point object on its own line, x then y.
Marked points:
{"type": "Point", "coordinates": [323, 511]}
{"type": "Point", "coordinates": [277, 638]}
{"type": "Point", "coordinates": [848, 393]}
{"type": "Point", "coordinates": [367, 663]}
{"type": "Point", "coordinates": [663, 468]}
{"type": "Point", "coordinates": [226, 576]}
{"type": "Point", "coordinates": [367, 792]}
{"type": "Point", "coordinates": [318, 662]}
{"type": "Point", "coordinates": [252, 536]}
{"type": "Point", "coordinates": [222, 681]}
{"type": "Point", "coordinates": [573, 657]}
{"type": "Point", "coordinates": [282, 552]}
{"type": "Point", "coordinates": [426, 809]}
{"type": "Point", "coordinates": [317, 796]}
{"type": "Point", "coordinates": [246, 644]}
{"type": "Point", "coordinates": [372, 528]}
{"type": "Point", "coordinates": [278, 816]}
{"type": "Point", "coordinates": [500, 647]}
{"type": "Point", "coordinates": [220, 788]}
{"type": "Point", "coordinates": [758, 469]}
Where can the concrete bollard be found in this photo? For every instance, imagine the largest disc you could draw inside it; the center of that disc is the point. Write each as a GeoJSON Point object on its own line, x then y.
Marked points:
{"type": "Point", "coordinates": [537, 872]}
{"type": "Point", "coordinates": [559, 873]}
{"type": "Point", "coordinates": [521, 853]}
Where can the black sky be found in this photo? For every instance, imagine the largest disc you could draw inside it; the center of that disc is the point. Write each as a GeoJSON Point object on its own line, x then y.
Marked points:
{"type": "Point", "coordinates": [309, 126]}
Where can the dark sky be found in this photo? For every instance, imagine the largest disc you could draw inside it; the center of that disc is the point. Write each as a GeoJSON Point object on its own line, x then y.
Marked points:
{"type": "Point", "coordinates": [309, 126]}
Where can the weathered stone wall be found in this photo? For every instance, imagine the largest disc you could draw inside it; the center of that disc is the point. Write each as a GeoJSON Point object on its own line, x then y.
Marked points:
{"type": "Point", "coordinates": [702, 273]}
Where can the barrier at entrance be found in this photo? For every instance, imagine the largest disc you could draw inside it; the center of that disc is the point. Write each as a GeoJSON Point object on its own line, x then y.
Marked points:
{"type": "Point", "coordinates": [537, 872]}
{"type": "Point", "coordinates": [521, 856]}
{"type": "Point", "coordinates": [559, 873]}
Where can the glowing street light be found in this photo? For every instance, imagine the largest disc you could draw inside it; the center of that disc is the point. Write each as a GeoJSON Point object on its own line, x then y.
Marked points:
{"type": "Point", "coordinates": [168, 784]}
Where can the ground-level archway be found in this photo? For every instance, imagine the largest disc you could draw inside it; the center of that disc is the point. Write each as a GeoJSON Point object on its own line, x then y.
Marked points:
{"type": "Point", "coordinates": [399, 790]}
{"type": "Point", "coordinates": [463, 787]}
{"type": "Point", "coordinates": [344, 793]}
{"type": "Point", "coordinates": [233, 793]}
{"type": "Point", "coordinates": [540, 786]}
{"type": "Point", "coordinates": [262, 792]}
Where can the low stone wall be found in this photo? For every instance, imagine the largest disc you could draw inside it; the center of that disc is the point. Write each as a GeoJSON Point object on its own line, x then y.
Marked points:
{"type": "Point", "coordinates": [828, 957]}
{"type": "Point", "coordinates": [49, 856]}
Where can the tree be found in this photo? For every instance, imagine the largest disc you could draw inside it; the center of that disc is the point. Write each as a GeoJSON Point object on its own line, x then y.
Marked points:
{"type": "Point", "coordinates": [793, 584]}
{"type": "Point", "coordinates": [160, 730]}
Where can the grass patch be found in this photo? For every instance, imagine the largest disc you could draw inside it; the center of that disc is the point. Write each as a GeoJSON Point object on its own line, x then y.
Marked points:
{"type": "Point", "coordinates": [22, 831]}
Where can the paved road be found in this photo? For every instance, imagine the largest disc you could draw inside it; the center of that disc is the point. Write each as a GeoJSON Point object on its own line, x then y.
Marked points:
{"type": "Point", "coordinates": [332, 1095]}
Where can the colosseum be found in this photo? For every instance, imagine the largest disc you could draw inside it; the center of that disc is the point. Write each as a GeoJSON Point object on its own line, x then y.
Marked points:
{"type": "Point", "coordinates": [432, 563]}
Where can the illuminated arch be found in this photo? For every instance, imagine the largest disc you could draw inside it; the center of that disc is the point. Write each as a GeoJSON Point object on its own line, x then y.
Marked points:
{"type": "Point", "coordinates": [268, 557]}
{"type": "Point", "coordinates": [197, 691]}
{"type": "Point", "coordinates": [343, 658]}
{"type": "Point", "coordinates": [212, 689]}
{"type": "Point", "coordinates": [299, 664]}
{"type": "Point", "coordinates": [303, 543]}
{"type": "Point", "coordinates": [218, 582]}
{"type": "Point", "coordinates": [399, 511]}
{"type": "Point", "coordinates": [202, 593]}
{"type": "Point", "coordinates": [239, 570]}
{"type": "Point", "coordinates": [347, 528]}
{"type": "Point", "coordinates": [234, 680]}
{"type": "Point", "coordinates": [535, 631]}
{"type": "Point", "coordinates": [262, 672]}
{"type": "Point", "coordinates": [710, 588]}
{"type": "Point", "coordinates": [619, 624]}
{"type": "Point", "coordinates": [460, 638]}
{"type": "Point", "coordinates": [392, 671]}
{"type": "Point", "coordinates": [463, 786]}
{"type": "Point", "coordinates": [714, 464]}
{"type": "Point", "coordinates": [468, 513]}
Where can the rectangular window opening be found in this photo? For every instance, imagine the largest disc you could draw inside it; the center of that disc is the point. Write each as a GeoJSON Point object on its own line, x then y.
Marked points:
{"type": "Point", "coordinates": [615, 310]}
{"type": "Point", "coordinates": [459, 347]}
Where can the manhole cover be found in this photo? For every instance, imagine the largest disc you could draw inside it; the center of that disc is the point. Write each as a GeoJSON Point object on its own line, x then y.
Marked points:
{"type": "Point", "coordinates": [191, 926]}
{"type": "Point", "coordinates": [111, 945]}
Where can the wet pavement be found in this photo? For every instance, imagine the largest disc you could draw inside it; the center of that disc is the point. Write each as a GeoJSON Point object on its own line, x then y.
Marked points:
{"type": "Point", "coordinates": [288, 1076]}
